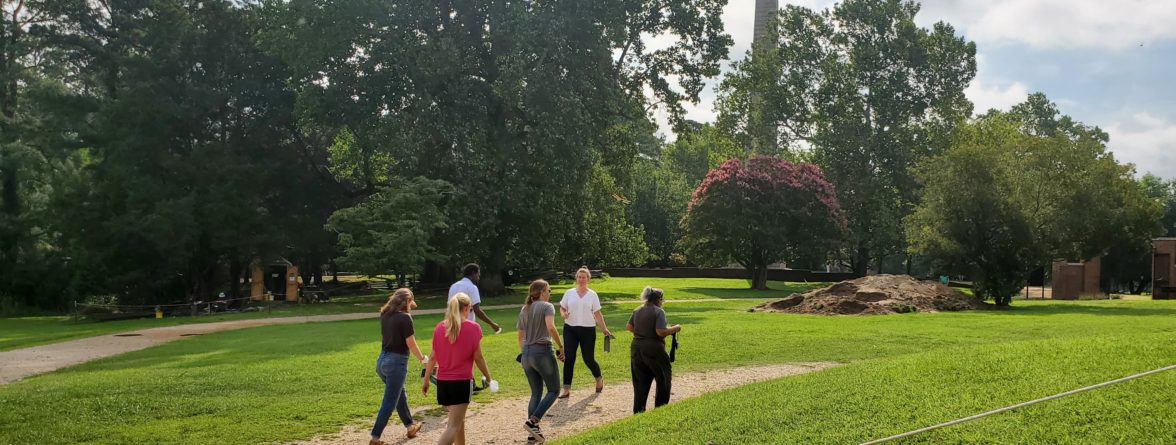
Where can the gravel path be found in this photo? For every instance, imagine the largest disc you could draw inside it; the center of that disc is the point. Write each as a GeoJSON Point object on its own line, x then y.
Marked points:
{"type": "Point", "coordinates": [20, 363]}
{"type": "Point", "coordinates": [501, 422]}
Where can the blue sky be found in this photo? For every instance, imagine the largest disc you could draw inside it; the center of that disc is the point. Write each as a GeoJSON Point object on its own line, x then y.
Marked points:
{"type": "Point", "coordinates": [1106, 63]}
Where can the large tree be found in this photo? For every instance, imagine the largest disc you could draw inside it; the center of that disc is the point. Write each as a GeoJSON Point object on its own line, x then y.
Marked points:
{"type": "Point", "coordinates": [513, 103]}
{"type": "Point", "coordinates": [38, 127]}
{"type": "Point", "coordinates": [1018, 190]}
{"type": "Point", "coordinates": [760, 212]}
{"type": "Point", "coordinates": [188, 168]}
{"type": "Point", "coordinates": [391, 231]}
{"type": "Point", "coordinates": [869, 92]}
{"type": "Point", "coordinates": [659, 203]}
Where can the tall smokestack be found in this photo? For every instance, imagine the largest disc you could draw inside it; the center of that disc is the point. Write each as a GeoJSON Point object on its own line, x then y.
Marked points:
{"type": "Point", "coordinates": [764, 11]}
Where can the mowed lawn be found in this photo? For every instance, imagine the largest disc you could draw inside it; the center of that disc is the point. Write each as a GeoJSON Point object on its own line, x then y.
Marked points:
{"type": "Point", "coordinates": [902, 372]}
{"type": "Point", "coordinates": [21, 332]}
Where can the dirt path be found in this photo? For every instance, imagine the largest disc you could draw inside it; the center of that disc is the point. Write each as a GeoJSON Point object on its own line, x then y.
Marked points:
{"type": "Point", "coordinates": [20, 363]}
{"type": "Point", "coordinates": [501, 422]}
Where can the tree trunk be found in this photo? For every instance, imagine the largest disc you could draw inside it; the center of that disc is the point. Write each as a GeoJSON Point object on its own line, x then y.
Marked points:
{"type": "Point", "coordinates": [758, 274]}
{"type": "Point", "coordinates": [861, 261]}
{"type": "Point", "coordinates": [492, 284]}
{"type": "Point", "coordinates": [1003, 300]}
{"type": "Point", "coordinates": [316, 272]}
{"type": "Point", "coordinates": [11, 208]}
{"type": "Point", "coordinates": [235, 271]}
{"type": "Point", "coordinates": [910, 259]}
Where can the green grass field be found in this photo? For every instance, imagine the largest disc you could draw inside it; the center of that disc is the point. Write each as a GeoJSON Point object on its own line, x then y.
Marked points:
{"type": "Point", "coordinates": [21, 332]}
{"type": "Point", "coordinates": [282, 383]}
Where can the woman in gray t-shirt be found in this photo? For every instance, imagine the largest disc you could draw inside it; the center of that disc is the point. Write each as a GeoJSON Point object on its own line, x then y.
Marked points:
{"type": "Point", "coordinates": [537, 332]}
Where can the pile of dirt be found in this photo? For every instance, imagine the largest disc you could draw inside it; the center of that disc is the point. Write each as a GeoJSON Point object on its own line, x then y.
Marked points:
{"type": "Point", "coordinates": [876, 295]}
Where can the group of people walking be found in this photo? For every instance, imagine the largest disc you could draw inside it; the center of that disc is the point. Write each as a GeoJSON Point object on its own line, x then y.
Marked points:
{"type": "Point", "coordinates": [457, 349]}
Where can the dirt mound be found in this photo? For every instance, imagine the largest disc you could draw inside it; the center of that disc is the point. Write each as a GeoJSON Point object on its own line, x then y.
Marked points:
{"type": "Point", "coordinates": [876, 295]}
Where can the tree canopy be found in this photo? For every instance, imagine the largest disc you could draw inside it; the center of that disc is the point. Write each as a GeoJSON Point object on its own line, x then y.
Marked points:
{"type": "Point", "coordinates": [868, 92]}
{"type": "Point", "coordinates": [1023, 188]}
{"type": "Point", "coordinates": [760, 212]}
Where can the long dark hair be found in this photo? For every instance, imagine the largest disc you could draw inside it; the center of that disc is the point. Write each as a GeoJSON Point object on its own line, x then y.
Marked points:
{"type": "Point", "coordinates": [398, 301]}
{"type": "Point", "coordinates": [534, 291]}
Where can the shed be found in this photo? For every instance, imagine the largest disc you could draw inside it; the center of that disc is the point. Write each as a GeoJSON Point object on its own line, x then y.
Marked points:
{"type": "Point", "coordinates": [1163, 268]}
{"type": "Point", "coordinates": [278, 277]}
{"type": "Point", "coordinates": [1073, 280]}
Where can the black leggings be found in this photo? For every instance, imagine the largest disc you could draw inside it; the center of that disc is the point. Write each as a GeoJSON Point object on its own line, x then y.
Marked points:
{"type": "Point", "coordinates": [649, 362]}
{"type": "Point", "coordinates": [582, 337]}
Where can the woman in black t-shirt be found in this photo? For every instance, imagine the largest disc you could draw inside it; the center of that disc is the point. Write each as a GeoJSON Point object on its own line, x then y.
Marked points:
{"type": "Point", "coordinates": [648, 360]}
{"type": "Point", "coordinates": [398, 341]}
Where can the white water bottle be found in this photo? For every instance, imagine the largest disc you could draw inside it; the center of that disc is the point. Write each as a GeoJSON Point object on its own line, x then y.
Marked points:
{"type": "Point", "coordinates": [494, 386]}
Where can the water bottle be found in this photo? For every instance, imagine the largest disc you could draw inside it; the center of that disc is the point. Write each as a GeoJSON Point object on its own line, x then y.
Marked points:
{"type": "Point", "coordinates": [494, 386]}
{"type": "Point", "coordinates": [607, 343]}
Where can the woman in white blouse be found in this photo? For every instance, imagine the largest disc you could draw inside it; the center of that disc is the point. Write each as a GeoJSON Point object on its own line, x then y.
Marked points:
{"type": "Point", "coordinates": [580, 308]}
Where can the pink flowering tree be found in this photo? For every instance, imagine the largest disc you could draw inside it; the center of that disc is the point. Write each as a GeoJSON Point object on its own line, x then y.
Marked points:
{"type": "Point", "coordinates": [760, 212]}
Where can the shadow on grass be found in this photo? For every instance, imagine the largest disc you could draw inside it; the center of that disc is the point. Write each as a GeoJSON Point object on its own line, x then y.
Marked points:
{"type": "Point", "coordinates": [780, 290]}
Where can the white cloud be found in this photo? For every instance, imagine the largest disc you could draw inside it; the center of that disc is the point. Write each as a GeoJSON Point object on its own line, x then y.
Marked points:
{"type": "Point", "coordinates": [1146, 140]}
{"type": "Point", "coordinates": [987, 95]}
{"type": "Point", "coordinates": [1058, 23]}
{"type": "Point", "coordinates": [988, 91]}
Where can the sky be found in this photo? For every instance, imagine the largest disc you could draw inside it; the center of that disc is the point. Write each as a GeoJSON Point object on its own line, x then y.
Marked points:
{"type": "Point", "coordinates": [1105, 63]}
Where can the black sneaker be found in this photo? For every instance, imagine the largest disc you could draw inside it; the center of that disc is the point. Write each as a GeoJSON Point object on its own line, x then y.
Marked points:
{"type": "Point", "coordinates": [536, 434]}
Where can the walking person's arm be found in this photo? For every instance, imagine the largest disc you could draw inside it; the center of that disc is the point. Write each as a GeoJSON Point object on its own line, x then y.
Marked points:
{"type": "Point", "coordinates": [414, 349]}
{"type": "Point", "coordinates": [550, 319]}
{"type": "Point", "coordinates": [481, 362]}
{"type": "Point", "coordinates": [430, 365]}
{"type": "Point", "coordinates": [662, 329]}
{"type": "Point", "coordinates": [600, 323]}
{"type": "Point", "coordinates": [669, 331]}
{"type": "Point", "coordinates": [486, 318]}
{"type": "Point", "coordinates": [476, 298]}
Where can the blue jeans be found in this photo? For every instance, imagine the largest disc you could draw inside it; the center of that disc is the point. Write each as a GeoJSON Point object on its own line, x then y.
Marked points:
{"type": "Point", "coordinates": [539, 364]}
{"type": "Point", "coordinates": [392, 369]}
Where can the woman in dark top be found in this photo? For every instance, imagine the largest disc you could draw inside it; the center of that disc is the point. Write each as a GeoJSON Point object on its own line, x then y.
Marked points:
{"type": "Point", "coordinates": [536, 335]}
{"type": "Point", "coordinates": [648, 360]}
{"type": "Point", "coordinates": [392, 366]}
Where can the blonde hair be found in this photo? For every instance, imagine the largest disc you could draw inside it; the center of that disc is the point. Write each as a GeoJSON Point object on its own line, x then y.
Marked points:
{"type": "Point", "coordinates": [586, 272]}
{"type": "Point", "coordinates": [453, 316]}
{"type": "Point", "coordinates": [537, 287]}
{"type": "Point", "coordinates": [398, 301]}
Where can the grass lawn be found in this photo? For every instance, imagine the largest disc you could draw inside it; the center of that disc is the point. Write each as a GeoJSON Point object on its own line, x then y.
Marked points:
{"type": "Point", "coordinates": [20, 332]}
{"type": "Point", "coordinates": [620, 289]}
{"type": "Point", "coordinates": [282, 383]}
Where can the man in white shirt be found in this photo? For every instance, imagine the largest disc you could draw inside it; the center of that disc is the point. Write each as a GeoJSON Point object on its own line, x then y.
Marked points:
{"type": "Point", "coordinates": [469, 286]}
